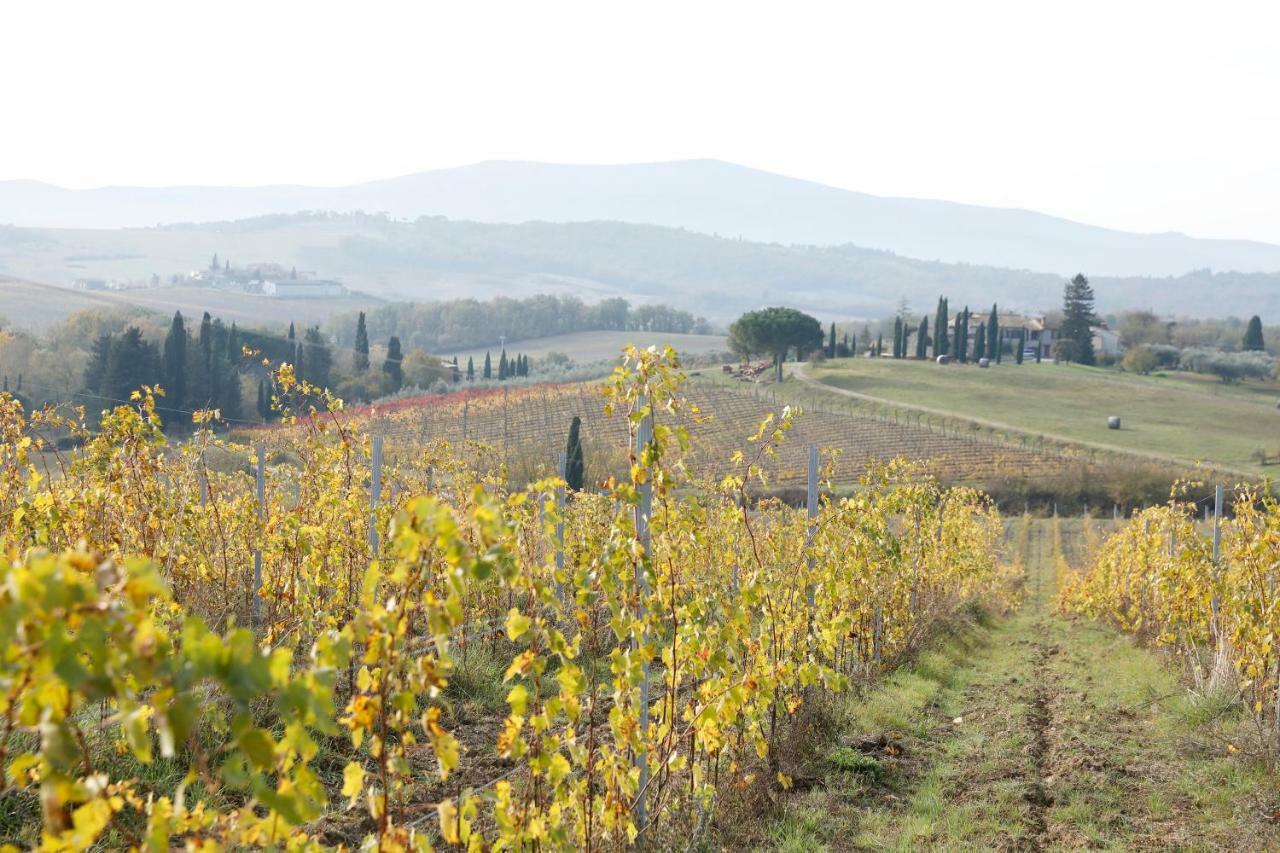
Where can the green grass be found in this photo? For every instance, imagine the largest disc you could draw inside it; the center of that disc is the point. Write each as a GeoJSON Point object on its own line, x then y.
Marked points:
{"type": "Point", "coordinates": [1190, 418]}
{"type": "Point", "coordinates": [1039, 732]}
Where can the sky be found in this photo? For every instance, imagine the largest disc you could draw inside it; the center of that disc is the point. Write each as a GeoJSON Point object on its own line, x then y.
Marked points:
{"type": "Point", "coordinates": [1133, 115]}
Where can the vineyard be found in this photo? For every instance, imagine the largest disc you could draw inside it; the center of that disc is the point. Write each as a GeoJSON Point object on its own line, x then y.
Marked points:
{"type": "Point", "coordinates": [1207, 592]}
{"type": "Point", "coordinates": [526, 427]}
{"type": "Point", "coordinates": [287, 654]}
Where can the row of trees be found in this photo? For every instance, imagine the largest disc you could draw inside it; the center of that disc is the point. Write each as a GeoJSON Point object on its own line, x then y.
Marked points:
{"type": "Point", "coordinates": [466, 323]}
{"type": "Point", "coordinates": [201, 371]}
{"type": "Point", "coordinates": [516, 367]}
{"type": "Point", "coordinates": [778, 332]}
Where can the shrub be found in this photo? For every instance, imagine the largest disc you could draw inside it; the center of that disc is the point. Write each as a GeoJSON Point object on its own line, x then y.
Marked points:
{"type": "Point", "coordinates": [1140, 360]}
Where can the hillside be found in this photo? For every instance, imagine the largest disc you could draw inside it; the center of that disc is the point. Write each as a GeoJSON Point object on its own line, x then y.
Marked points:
{"type": "Point", "coordinates": [35, 306]}
{"type": "Point", "coordinates": [1191, 418]}
{"type": "Point", "coordinates": [717, 277]}
{"type": "Point", "coordinates": [706, 196]}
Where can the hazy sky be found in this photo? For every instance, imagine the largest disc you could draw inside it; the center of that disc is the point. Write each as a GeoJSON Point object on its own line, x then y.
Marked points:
{"type": "Point", "coordinates": [1144, 116]}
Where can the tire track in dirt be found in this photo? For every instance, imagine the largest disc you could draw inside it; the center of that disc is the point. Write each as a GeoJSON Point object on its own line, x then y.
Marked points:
{"type": "Point", "coordinates": [1039, 719]}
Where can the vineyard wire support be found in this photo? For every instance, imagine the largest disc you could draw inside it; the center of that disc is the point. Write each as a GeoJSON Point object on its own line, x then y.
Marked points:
{"type": "Point", "coordinates": [261, 491]}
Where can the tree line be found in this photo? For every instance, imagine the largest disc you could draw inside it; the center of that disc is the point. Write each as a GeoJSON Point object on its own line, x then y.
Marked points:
{"type": "Point", "coordinates": [470, 323]}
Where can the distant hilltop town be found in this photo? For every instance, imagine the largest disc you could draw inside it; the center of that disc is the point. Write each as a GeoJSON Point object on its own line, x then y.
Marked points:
{"type": "Point", "coordinates": [267, 279]}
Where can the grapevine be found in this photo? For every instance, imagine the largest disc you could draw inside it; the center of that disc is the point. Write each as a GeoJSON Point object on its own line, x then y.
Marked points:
{"type": "Point", "coordinates": [132, 625]}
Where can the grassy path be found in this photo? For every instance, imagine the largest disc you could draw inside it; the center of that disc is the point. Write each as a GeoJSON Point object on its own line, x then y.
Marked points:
{"type": "Point", "coordinates": [1035, 732]}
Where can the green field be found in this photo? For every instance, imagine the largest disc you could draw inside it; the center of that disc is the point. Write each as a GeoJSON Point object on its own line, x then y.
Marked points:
{"type": "Point", "coordinates": [1192, 418]}
{"type": "Point", "coordinates": [586, 347]}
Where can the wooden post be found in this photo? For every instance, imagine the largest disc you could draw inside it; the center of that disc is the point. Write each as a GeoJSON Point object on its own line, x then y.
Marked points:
{"type": "Point", "coordinates": [261, 490]}
{"type": "Point", "coordinates": [375, 495]}
{"type": "Point", "coordinates": [1214, 604]}
{"type": "Point", "coordinates": [644, 435]}
{"type": "Point", "coordinates": [562, 463]}
{"type": "Point", "coordinates": [1217, 522]}
{"type": "Point", "coordinates": [811, 506]}
{"type": "Point", "coordinates": [204, 481]}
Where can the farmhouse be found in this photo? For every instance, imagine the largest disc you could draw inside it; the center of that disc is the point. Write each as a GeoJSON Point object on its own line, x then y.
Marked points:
{"type": "Point", "coordinates": [1039, 336]}
{"type": "Point", "coordinates": [303, 288]}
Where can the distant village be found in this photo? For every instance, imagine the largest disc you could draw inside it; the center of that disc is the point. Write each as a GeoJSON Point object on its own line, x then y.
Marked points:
{"type": "Point", "coordinates": [266, 279]}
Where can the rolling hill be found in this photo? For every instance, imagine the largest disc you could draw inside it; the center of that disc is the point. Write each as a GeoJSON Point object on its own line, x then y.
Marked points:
{"type": "Point", "coordinates": [706, 196]}
{"type": "Point", "coordinates": [435, 258]}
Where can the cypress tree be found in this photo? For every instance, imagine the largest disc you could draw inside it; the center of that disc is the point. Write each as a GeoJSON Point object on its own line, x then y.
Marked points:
{"type": "Point", "coordinates": [319, 361]}
{"type": "Point", "coordinates": [961, 345]}
{"type": "Point", "coordinates": [831, 344]}
{"type": "Point", "coordinates": [297, 361]}
{"type": "Point", "coordinates": [471, 369]}
{"type": "Point", "coordinates": [264, 405]}
{"type": "Point", "coordinates": [291, 330]}
{"type": "Point", "coordinates": [207, 382]}
{"type": "Point", "coordinates": [175, 363]}
{"type": "Point", "coordinates": [922, 339]}
{"type": "Point", "coordinates": [502, 365]}
{"type": "Point", "coordinates": [980, 343]}
{"type": "Point", "coordinates": [131, 363]}
{"type": "Point", "coordinates": [995, 347]}
{"type": "Point", "coordinates": [1253, 335]}
{"type": "Point", "coordinates": [488, 367]}
{"type": "Point", "coordinates": [940, 342]}
{"type": "Point", "coordinates": [95, 372]}
{"type": "Point", "coordinates": [391, 366]}
{"type": "Point", "coordinates": [853, 345]}
{"type": "Point", "coordinates": [233, 345]}
{"type": "Point", "coordinates": [574, 464]}
{"type": "Point", "coordinates": [879, 345]}
{"type": "Point", "coordinates": [897, 337]}
{"type": "Point", "coordinates": [1022, 345]}
{"type": "Point", "coordinates": [361, 358]}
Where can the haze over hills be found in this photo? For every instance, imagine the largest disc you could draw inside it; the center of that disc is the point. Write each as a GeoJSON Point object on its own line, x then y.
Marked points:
{"type": "Point", "coordinates": [435, 259]}
{"type": "Point", "coordinates": [706, 196]}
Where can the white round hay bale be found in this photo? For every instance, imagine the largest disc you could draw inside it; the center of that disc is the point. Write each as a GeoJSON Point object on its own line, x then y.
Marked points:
{"type": "Point", "coordinates": [944, 359]}
{"type": "Point", "coordinates": [984, 362]}
{"type": "Point", "coordinates": [1113, 422]}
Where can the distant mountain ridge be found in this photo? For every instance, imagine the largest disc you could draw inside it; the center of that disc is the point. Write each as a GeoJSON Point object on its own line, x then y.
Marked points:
{"type": "Point", "coordinates": [706, 196]}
